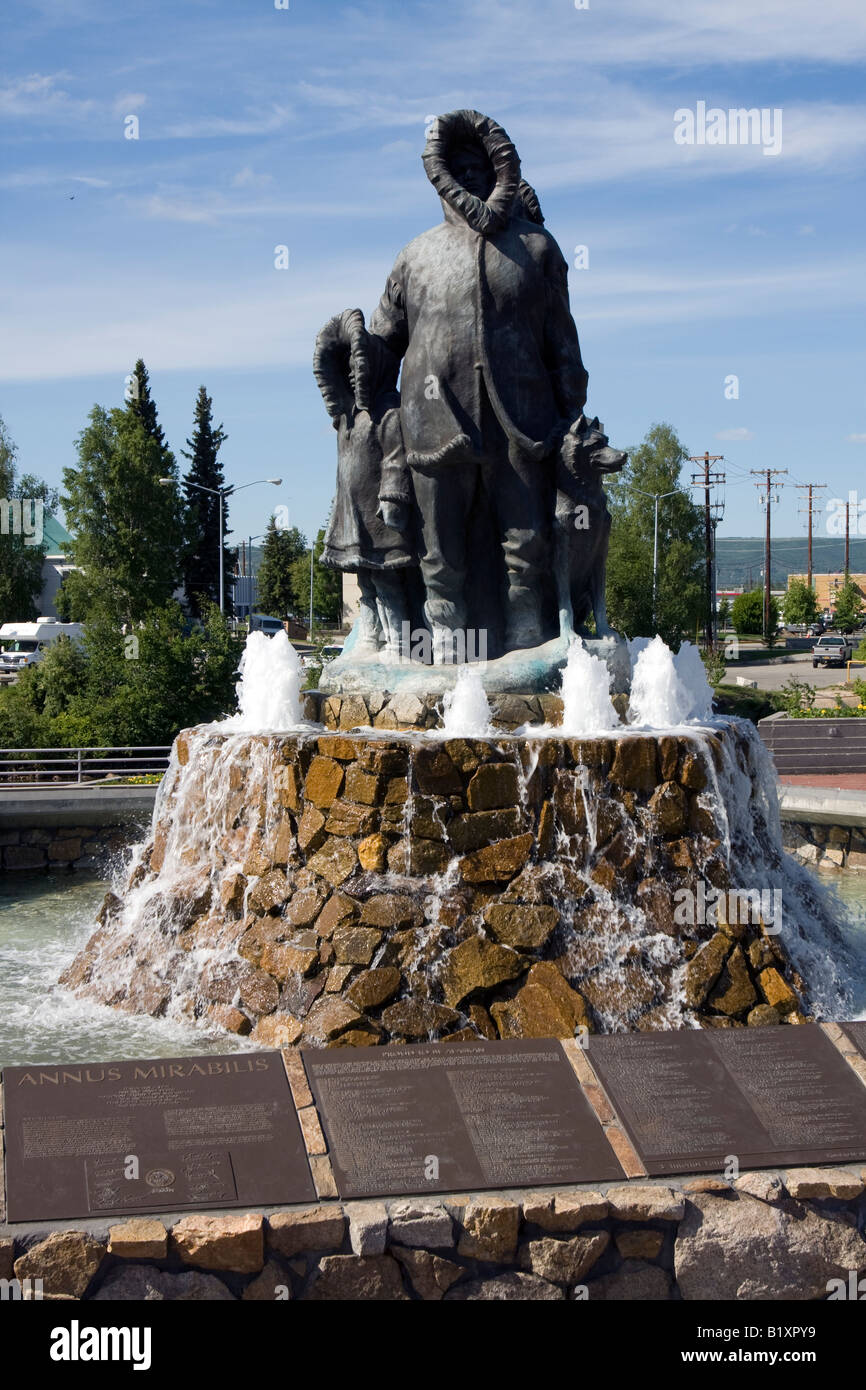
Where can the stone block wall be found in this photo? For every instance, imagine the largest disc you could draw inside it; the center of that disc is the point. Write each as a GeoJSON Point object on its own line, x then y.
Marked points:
{"type": "Point", "coordinates": [771, 1234]}
{"type": "Point", "coordinates": [766, 1235]}
{"type": "Point", "coordinates": [64, 847]}
{"type": "Point", "coordinates": [410, 711]}
{"type": "Point", "coordinates": [351, 890]}
{"type": "Point", "coordinates": [826, 846]}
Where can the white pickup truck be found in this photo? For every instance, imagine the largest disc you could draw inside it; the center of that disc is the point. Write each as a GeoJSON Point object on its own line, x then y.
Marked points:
{"type": "Point", "coordinates": [24, 644]}
{"type": "Point", "coordinates": [832, 651]}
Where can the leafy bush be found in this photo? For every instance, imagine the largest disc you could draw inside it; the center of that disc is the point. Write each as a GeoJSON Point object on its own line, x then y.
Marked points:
{"type": "Point", "coordinates": [747, 613]}
{"type": "Point", "coordinates": [714, 666]}
{"type": "Point", "coordinates": [115, 692]}
{"type": "Point", "coordinates": [796, 697]}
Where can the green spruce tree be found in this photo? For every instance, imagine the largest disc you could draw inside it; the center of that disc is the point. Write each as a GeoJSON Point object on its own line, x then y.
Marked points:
{"type": "Point", "coordinates": [126, 524]}
{"type": "Point", "coordinates": [201, 574]}
{"type": "Point", "coordinates": [21, 549]}
{"type": "Point", "coordinates": [280, 593]}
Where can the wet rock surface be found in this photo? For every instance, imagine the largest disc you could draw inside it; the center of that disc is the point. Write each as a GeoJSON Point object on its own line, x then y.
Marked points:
{"type": "Point", "coordinates": [340, 888]}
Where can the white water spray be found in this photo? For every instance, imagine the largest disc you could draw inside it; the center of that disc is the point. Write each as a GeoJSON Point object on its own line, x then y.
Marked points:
{"type": "Point", "coordinates": [465, 709]}
{"type": "Point", "coordinates": [586, 704]}
{"type": "Point", "coordinates": [269, 690]}
{"type": "Point", "coordinates": [668, 690]}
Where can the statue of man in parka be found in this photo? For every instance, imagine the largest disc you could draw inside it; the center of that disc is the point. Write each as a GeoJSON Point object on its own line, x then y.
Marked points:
{"type": "Point", "coordinates": [492, 378]}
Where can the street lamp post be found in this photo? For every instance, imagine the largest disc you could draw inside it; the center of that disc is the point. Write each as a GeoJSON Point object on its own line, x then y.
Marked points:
{"type": "Point", "coordinates": [655, 497]}
{"type": "Point", "coordinates": [222, 493]}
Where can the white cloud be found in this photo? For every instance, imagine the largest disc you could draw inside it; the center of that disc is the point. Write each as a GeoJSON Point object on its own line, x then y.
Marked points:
{"type": "Point", "coordinates": [45, 178]}
{"type": "Point", "coordinates": [248, 178]}
{"type": "Point", "coordinates": [39, 96]}
{"type": "Point", "coordinates": [855, 439]}
{"type": "Point", "coordinates": [735, 436]}
{"type": "Point", "coordinates": [253, 123]}
{"type": "Point", "coordinates": [670, 35]}
{"type": "Point", "coordinates": [214, 207]}
{"type": "Point", "coordinates": [128, 102]}
{"type": "Point", "coordinates": [174, 323]}
{"type": "Point", "coordinates": [632, 137]}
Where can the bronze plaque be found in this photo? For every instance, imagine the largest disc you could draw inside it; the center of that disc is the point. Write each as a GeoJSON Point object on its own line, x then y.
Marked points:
{"type": "Point", "coordinates": [857, 1034]}
{"type": "Point", "coordinates": [770, 1097]}
{"type": "Point", "coordinates": [447, 1117]}
{"type": "Point", "coordinates": [166, 1134]}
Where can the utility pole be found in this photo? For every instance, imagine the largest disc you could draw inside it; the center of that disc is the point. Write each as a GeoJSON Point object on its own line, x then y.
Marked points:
{"type": "Point", "coordinates": [767, 474]}
{"type": "Point", "coordinates": [809, 488]}
{"type": "Point", "coordinates": [847, 566]}
{"type": "Point", "coordinates": [718, 514]}
{"type": "Point", "coordinates": [312, 553]}
{"type": "Point", "coordinates": [706, 482]}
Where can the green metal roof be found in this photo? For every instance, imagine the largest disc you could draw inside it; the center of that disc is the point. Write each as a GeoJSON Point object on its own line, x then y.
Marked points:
{"type": "Point", "coordinates": [54, 535]}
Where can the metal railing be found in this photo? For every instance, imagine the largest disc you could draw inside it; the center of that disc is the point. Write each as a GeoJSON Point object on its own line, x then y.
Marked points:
{"type": "Point", "coordinates": [73, 767]}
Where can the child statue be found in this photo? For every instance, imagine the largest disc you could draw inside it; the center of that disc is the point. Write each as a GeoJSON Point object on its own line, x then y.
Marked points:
{"type": "Point", "coordinates": [370, 528]}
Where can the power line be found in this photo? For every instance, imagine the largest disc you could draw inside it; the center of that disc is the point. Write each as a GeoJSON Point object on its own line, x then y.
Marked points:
{"type": "Point", "coordinates": [767, 474]}
{"type": "Point", "coordinates": [810, 488]}
{"type": "Point", "coordinates": [710, 479]}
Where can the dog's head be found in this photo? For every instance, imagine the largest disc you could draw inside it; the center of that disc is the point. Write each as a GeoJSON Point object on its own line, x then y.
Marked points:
{"type": "Point", "coordinates": [586, 449]}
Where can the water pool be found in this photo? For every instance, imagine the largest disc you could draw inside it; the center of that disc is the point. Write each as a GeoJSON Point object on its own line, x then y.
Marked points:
{"type": "Point", "coordinates": [44, 920]}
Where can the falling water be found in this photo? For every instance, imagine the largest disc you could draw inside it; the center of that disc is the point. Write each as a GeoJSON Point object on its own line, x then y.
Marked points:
{"type": "Point", "coordinates": [221, 833]}
{"type": "Point", "coordinates": [465, 709]}
{"type": "Point", "coordinates": [745, 799]}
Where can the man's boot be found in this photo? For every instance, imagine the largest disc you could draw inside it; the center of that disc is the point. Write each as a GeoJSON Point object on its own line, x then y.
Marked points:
{"type": "Point", "coordinates": [369, 636]}
{"type": "Point", "coordinates": [522, 618]}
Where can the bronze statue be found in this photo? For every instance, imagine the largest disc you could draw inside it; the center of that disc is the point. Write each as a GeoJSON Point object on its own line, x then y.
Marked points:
{"type": "Point", "coordinates": [486, 443]}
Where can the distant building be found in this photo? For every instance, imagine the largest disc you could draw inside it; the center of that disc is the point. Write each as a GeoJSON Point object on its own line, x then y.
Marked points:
{"type": "Point", "coordinates": [351, 600]}
{"type": "Point", "coordinates": [826, 585]}
{"type": "Point", "coordinates": [55, 566]}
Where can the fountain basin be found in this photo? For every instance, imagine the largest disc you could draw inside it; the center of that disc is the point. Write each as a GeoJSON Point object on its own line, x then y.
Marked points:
{"type": "Point", "coordinates": [359, 889]}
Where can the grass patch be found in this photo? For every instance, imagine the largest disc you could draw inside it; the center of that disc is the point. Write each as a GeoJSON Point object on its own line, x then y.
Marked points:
{"type": "Point", "coordinates": [746, 704]}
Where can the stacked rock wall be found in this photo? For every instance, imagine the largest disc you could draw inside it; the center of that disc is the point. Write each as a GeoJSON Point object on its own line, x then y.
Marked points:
{"type": "Point", "coordinates": [64, 847]}
{"type": "Point", "coordinates": [352, 890]}
{"type": "Point", "coordinates": [826, 846]}
{"type": "Point", "coordinates": [792, 1235]}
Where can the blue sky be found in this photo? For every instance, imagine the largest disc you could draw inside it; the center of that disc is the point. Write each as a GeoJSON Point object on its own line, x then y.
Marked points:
{"type": "Point", "coordinates": [304, 127]}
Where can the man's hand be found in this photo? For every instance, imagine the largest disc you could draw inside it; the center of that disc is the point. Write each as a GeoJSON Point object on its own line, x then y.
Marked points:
{"type": "Point", "coordinates": [394, 514]}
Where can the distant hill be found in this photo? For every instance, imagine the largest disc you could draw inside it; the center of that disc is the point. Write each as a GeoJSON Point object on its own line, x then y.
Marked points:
{"type": "Point", "coordinates": [740, 559]}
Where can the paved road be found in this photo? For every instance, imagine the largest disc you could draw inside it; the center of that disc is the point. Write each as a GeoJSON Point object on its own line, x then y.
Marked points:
{"type": "Point", "coordinates": [773, 675]}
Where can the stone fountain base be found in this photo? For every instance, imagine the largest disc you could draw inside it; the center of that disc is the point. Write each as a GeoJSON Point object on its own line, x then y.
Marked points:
{"type": "Point", "coordinates": [354, 890]}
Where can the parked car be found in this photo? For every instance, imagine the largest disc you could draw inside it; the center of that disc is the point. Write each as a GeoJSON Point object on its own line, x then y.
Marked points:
{"type": "Point", "coordinates": [815, 629]}
{"type": "Point", "coordinates": [260, 622]}
{"type": "Point", "coordinates": [832, 651]}
{"type": "Point", "coordinates": [25, 644]}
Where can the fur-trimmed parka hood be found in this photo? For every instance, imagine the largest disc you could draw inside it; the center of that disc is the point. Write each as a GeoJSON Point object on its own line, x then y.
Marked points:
{"type": "Point", "coordinates": [484, 215]}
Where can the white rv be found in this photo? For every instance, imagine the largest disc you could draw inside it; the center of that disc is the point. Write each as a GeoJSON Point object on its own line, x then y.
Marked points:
{"type": "Point", "coordinates": [24, 644]}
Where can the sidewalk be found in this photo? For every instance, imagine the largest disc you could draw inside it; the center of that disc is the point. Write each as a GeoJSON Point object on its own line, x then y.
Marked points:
{"type": "Point", "coordinates": [836, 781]}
